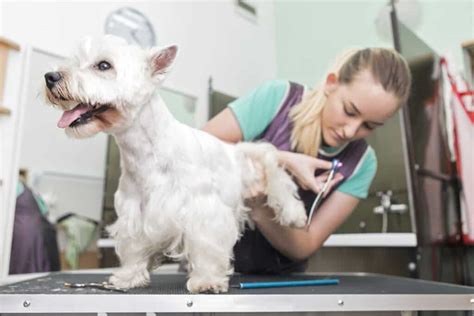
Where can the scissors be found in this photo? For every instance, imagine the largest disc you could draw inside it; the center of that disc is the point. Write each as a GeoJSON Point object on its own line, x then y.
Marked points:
{"type": "Point", "coordinates": [100, 286]}
{"type": "Point", "coordinates": [335, 166]}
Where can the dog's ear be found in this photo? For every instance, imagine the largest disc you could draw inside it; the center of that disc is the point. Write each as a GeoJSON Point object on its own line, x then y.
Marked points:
{"type": "Point", "coordinates": [161, 59]}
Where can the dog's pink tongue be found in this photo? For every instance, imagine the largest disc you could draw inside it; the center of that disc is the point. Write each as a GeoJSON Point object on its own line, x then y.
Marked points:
{"type": "Point", "coordinates": [71, 115]}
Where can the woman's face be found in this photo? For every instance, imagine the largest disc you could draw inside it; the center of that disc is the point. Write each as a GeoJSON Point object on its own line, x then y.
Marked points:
{"type": "Point", "coordinates": [353, 111]}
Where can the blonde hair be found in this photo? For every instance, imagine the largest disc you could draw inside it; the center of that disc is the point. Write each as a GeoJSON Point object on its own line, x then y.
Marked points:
{"type": "Point", "coordinates": [387, 67]}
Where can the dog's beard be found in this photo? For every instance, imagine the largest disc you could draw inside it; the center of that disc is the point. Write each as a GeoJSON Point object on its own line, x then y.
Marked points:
{"type": "Point", "coordinates": [60, 97]}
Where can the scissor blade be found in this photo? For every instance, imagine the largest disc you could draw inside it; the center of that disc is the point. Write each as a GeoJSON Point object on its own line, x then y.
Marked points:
{"type": "Point", "coordinates": [319, 197]}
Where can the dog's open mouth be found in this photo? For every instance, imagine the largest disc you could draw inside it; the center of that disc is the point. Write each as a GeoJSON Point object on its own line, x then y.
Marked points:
{"type": "Point", "coordinates": [81, 114]}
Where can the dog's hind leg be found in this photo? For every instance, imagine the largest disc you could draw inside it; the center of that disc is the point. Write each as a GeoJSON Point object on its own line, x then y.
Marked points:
{"type": "Point", "coordinates": [209, 242]}
{"type": "Point", "coordinates": [282, 192]}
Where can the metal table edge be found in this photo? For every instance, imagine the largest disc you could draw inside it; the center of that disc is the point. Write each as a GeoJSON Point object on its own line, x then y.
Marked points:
{"type": "Point", "coordinates": [212, 303]}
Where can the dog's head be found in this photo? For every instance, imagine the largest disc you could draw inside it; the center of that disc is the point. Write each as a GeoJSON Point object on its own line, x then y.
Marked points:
{"type": "Point", "coordinates": [105, 84]}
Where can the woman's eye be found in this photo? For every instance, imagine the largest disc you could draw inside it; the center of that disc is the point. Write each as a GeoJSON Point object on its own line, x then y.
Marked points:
{"type": "Point", "coordinates": [347, 112]}
{"type": "Point", "coordinates": [369, 127]}
{"type": "Point", "coordinates": [103, 66]}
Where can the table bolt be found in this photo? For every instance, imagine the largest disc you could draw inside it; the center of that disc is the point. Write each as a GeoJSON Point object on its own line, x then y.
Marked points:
{"type": "Point", "coordinates": [26, 303]}
{"type": "Point", "coordinates": [189, 303]}
{"type": "Point", "coordinates": [340, 302]}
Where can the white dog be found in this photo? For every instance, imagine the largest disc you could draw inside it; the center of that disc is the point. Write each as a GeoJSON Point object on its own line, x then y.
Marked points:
{"type": "Point", "coordinates": [181, 190]}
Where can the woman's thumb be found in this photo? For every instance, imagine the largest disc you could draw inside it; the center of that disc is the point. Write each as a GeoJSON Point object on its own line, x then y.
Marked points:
{"type": "Point", "coordinates": [314, 186]}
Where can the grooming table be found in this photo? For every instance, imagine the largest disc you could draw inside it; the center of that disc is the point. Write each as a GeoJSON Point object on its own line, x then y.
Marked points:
{"type": "Point", "coordinates": [167, 294]}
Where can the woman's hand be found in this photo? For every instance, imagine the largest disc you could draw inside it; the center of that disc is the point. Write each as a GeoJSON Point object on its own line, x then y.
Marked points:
{"type": "Point", "coordinates": [303, 167]}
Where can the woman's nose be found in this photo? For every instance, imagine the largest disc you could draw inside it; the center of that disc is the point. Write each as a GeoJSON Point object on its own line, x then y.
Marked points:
{"type": "Point", "coordinates": [350, 129]}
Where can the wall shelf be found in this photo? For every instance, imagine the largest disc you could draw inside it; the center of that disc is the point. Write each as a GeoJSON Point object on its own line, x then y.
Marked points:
{"type": "Point", "coordinates": [5, 46]}
{"type": "Point", "coordinates": [9, 44]}
{"type": "Point", "coordinates": [4, 111]}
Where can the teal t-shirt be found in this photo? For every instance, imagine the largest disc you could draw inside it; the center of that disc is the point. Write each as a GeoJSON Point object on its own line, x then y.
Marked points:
{"type": "Point", "coordinates": [255, 111]}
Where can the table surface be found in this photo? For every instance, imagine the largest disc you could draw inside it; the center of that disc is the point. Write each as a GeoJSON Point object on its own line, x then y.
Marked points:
{"type": "Point", "coordinates": [167, 293]}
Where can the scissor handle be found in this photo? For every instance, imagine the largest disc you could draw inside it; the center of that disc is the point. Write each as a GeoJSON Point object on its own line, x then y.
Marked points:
{"type": "Point", "coordinates": [336, 163]}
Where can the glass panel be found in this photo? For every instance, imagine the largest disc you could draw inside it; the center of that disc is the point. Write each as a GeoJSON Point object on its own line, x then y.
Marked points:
{"type": "Point", "coordinates": [182, 106]}
{"type": "Point", "coordinates": [436, 205]}
{"type": "Point", "coordinates": [218, 102]}
{"type": "Point", "coordinates": [387, 144]}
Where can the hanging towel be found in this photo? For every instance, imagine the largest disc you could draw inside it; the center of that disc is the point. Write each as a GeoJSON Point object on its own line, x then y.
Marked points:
{"type": "Point", "coordinates": [80, 232]}
{"type": "Point", "coordinates": [459, 96]}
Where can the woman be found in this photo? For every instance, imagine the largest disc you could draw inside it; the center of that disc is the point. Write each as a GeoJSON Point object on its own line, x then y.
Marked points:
{"type": "Point", "coordinates": [310, 128]}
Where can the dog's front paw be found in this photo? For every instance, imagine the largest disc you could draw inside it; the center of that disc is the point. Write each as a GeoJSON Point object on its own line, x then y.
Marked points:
{"type": "Point", "coordinates": [126, 280]}
{"type": "Point", "coordinates": [203, 285]}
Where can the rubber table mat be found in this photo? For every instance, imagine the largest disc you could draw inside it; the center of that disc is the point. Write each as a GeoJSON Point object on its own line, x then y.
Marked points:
{"type": "Point", "coordinates": [176, 284]}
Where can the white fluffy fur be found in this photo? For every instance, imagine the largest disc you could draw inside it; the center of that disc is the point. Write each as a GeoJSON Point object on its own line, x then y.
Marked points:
{"type": "Point", "coordinates": [181, 190]}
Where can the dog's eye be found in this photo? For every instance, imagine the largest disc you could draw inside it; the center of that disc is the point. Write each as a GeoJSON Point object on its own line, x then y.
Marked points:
{"type": "Point", "coordinates": [103, 66]}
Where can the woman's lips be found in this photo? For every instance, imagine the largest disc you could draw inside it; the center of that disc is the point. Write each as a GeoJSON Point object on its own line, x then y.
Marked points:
{"type": "Point", "coordinates": [338, 137]}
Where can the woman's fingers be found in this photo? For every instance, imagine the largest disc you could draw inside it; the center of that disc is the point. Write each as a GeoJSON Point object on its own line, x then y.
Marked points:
{"type": "Point", "coordinates": [337, 178]}
{"type": "Point", "coordinates": [318, 182]}
{"type": "Point", "coordinates": [304, 187]}
{"type": "Point", "coordinates": [322, 164]}
{"type": "Point", "coordinates": [254, 190]}
{"type": "Point", "coordinates": [316, 185]}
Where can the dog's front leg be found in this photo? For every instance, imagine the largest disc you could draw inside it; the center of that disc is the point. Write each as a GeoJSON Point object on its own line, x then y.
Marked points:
{"type": "Point", "coordinates": [131, 247]}
{"type": "Point", "coordinates": [134, 260]}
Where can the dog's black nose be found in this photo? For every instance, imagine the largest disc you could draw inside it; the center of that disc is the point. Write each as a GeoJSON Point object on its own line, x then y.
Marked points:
{"type": "Point", "coordinates": [51, 78]}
